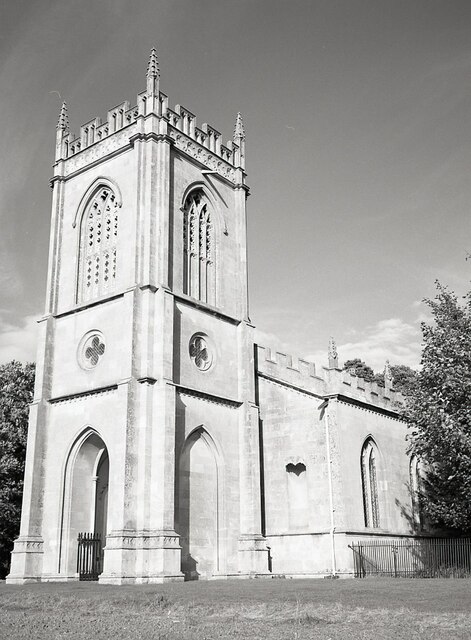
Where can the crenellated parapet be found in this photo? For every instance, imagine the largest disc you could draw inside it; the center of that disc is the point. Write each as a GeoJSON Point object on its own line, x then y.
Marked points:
{"type": "Point", "coordinates": [302, 375]}
{"type": "Point", "coordinates": [203, 144]}
{"type": "Point", "coordinates": [345, 383]}
{"type": "Point", "coordinates": [294, 372]}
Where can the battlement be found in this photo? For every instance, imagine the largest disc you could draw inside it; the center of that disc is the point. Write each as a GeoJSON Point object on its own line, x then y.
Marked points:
{"type": "Point", "coordinates": [202, 143]}
{"type": "Point", "coordinates": [375, 394]}
{"type": "Point", "coordinates": [296, 372]}
{"type": "Point", "coordinates": [287, 361]}
{"type": "Point", "coordinates": [303, 375]}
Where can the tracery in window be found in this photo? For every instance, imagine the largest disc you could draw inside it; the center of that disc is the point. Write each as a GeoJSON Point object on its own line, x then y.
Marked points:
{"type": "Point", "coordinates": [198, 249]}
{"type": "Point", "coordinates": [369, 481]}
{"type": "Point", "coordinates": [98, 246]}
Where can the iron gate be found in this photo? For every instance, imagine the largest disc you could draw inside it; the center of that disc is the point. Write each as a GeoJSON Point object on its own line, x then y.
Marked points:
{"type": "Point", "coordinates": [420, 558]}
{"type": "Point", "coordinates": [89, 556]}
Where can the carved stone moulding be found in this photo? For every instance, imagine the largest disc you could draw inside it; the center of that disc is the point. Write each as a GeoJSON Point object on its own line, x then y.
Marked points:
{"type": "Point", "coordinates": [201, 154]}
{"type": "Point", "coordinates": [142, 540]}
{"type": "Point", "coordinates": [29, 545]}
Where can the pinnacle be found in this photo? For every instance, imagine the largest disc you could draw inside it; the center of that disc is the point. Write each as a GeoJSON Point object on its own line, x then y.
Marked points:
{"type": "Point", "coordinates": [153, 70]}
{"type": "Point", "coordinates": [63, 122]}
{"type": "Point", "coordinates": [332, 348]}
{"type": "Point", "coordinates": [239, 131]}
{"type": "Point", "coordinates": [333, 354]}
{"type": "Point", "coordinates": [387, 371]}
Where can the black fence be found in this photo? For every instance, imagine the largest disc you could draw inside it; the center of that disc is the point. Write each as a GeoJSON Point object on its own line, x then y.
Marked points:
{"type": "Point", "coordinates": [89, 556]}
{"type": "Point", "coordinates": [419, 558]}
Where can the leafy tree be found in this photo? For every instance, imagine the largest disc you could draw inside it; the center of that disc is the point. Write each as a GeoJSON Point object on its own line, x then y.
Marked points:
{"type": "Point", "coordinates": [16, 392]}
{"type": "Point", "coordinates": [439, 412]}
{"type": "Point", "coordinates": [404, 378]}
{"type": "Point", "coordinates": [379, 378]}
{"type": "Point", "coordinates": [360, 369]}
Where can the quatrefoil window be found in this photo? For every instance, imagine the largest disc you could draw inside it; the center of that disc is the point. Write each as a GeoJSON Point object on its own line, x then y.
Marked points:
{"type": "Point", "coordinates": [200, 352]}
{"type": "Point", "coordinates": [92, 349]}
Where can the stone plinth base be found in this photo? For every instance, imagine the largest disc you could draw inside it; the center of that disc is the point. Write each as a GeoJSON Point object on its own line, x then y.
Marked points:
{"type": "Point", "coordinates": [26, 560]}
{"type": "Point", "coordinates": [107, 579]}
{"type": "Point", "coordinates": [60, 578]}
{"type": "Point", "coordinates": [253, 555]}
{"type": "Point", "coordinates": [141, 557]}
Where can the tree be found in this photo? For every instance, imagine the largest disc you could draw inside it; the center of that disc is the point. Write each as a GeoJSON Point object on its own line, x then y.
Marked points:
{"type": "Point", "coordinates": [439, 412]}
{"type": "Point", "coordinates": [16, 392]}
{"type": "Point", "coordinates": [404, 378]}
{"type": "Point", "coordinates": [358, 368]}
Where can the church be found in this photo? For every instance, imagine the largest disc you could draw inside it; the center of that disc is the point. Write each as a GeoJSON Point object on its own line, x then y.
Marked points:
{"type": "Point", "coordinates": [159, 428]}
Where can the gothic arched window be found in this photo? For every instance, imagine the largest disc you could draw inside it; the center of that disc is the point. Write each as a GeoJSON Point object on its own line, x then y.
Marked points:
{"type": "Point", "coordinates": [369, 480]}
{"type": "Point", "coordinates": [198, 249]}
{"type": "Point", "coordinates": [98, 244]}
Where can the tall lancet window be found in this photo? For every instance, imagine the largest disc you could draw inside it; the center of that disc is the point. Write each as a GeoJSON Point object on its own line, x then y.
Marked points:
{"type": "Point", "coordinates": [98, 244]}
{"type": "Point", "coordinates": [198, 249]}
{"type": "Point", "coordinates": [369, 457]}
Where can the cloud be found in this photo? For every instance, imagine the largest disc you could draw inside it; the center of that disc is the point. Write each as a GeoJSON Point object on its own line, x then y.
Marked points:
{"type": "Point", "coordinates": [18, 339]}
{"type": "Point", "coordinates": [391, 339]}
{"type": "Point", "coordinates": [270, 340]}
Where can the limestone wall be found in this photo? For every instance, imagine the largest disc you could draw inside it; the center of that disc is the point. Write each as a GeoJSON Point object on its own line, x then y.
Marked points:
{"type": "Point", "coordinates": [313, 426]}
{"type": "Point", "coordinates": [68, 421]}
{"type": "Point", "coordinates": [213, 505]}
{"type": "Point", "coordinates": [354, 426]}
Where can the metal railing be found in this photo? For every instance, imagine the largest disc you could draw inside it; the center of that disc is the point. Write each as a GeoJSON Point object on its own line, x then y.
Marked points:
{"type": "Point", "coordinates": [419, 558]}
{"type": "Point", "coordinates": [89, 556]}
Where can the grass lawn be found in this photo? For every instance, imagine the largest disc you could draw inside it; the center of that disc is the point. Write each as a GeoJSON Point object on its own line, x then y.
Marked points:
{"type": "Point", "coordinates": [270, 609]}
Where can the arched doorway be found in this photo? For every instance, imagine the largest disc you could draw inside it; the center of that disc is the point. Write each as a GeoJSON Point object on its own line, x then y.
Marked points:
{"type": "Point", "coordinates": [85, 501]}
{"type": "Point", "coordinates": [199, 511]}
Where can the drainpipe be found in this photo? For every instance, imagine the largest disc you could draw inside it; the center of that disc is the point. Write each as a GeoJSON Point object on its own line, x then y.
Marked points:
{"type": "Point", "coordinates": [323, 408]}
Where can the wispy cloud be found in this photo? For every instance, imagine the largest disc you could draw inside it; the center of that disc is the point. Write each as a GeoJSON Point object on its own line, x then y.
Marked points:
{"type": "Point", "coordinates": [391, 339]}
{"type": "Point", "coordinates": [271, 340]}
{"type": "Point", "coordinates": [18, 339]}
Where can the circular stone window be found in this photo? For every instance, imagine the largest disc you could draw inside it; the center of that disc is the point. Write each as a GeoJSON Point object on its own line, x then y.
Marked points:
{"type": "Point", "coordinates": [200, 351]}
{"type": "Point", "coordinates": [91, 349]}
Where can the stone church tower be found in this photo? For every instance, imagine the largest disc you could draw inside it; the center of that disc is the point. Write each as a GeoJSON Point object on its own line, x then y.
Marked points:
{"type": "Point", "coordinates": [157, 424]}
{"type": "Point", "coordinates": [144, 426]}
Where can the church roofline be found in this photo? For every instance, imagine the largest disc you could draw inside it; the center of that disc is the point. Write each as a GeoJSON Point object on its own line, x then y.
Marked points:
{"type": "Point", "coordinates": [303, 376]}
{"type": "Point", "coordinates": [152, 101]}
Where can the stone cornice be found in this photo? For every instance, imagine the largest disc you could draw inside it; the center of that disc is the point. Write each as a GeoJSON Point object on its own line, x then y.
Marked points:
{"type": "Point", "coordinates": [289, 385]}
{"type": "Point", "coordinates": [80, 395]}
{"type": "Point", "coordinates": [147, 380]}
{"type": "Point", "coordinates": [96, 153]}
{"type": "Point", "coordinates": [93, 303]}
{"type": "Point", "coordinates": [150, 135]}
{"type": "Point", "coordinates": [180, 297]}
{"type": "Point", "coordinates": [366, 406]}
{"type": "Point", "coordinates": [383, 533]}
{"type": "Point", "coordinates": [202, 306]}
{"type": "Point", "coordinates": [204, 156]}
{"type": "Point", "coordinates": [209, 397]}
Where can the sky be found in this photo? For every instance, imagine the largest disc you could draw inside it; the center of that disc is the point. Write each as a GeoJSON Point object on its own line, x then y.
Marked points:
{"type": "Point", "coordinates": [358, 122]}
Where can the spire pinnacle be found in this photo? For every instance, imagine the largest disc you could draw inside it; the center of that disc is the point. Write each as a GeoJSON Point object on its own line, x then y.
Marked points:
{"type": "Point", "coordinates": [63, 122]}
{"type": "Point", "coordinates": [239, 131]}
{"type": "Point", "coordinates": [333, 354]}
{"type": "Point", "coordinates": [153, 70]}
{"type": "Point", "coordinates": [387, 373]}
